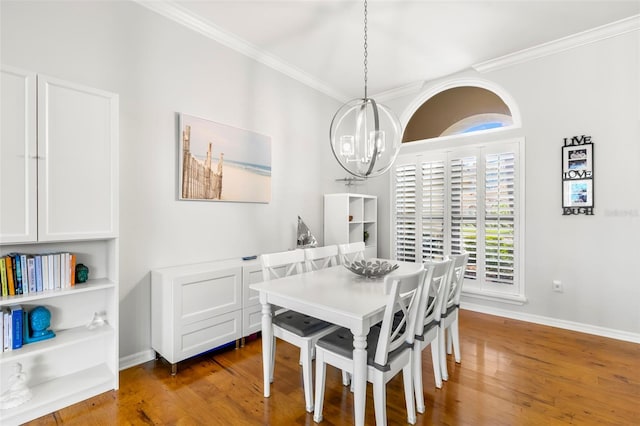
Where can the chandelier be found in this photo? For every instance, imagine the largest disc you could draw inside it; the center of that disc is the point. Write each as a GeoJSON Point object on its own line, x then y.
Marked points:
{"type": "Point", "coordinates": [365, 135]}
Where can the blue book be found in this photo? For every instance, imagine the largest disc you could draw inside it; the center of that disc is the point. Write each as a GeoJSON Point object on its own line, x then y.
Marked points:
{"type": "Point", "coordinates": [16, 326]}
{"type": "Point", "coordinates": [38, 260]}
{"type": "Point", "coordinates": [25, 274]}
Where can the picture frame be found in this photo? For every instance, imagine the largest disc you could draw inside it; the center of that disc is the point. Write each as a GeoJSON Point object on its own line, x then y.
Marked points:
{"type": "Point", "coordinates": [222, 163]}
{"type": "Point", "coordinates": [577, 176]}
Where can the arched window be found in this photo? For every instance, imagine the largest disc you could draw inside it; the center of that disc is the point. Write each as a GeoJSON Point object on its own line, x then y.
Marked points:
{"type": "Point", "coordinates": [464, 193]}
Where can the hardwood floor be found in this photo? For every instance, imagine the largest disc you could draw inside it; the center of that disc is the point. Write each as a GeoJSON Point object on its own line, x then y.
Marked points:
{"type": "Point", "coordinates": [512, 373]}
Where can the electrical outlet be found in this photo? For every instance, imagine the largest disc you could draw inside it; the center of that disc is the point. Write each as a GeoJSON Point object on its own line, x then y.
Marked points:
{"type": "Point", "coordinates": [557, 286]}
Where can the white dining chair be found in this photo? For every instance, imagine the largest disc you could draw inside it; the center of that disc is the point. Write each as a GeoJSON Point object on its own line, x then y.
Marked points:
{"type": "Point", "coordinates": [451, 307]}
{"type": "Point", "coordinates": [389, 347]}
{"type": "Point", "coordinates": [320, 257]}
{"type": "Point", "coordinates": [293, 327]}
{"type": "Point", "coordinates": [436, 284]}
{"type": "Point", "coordinates": [351, 252]}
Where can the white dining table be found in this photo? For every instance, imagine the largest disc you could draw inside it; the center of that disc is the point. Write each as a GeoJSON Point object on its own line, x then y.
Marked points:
{"type": "Point", "coordinates": [338, 296]}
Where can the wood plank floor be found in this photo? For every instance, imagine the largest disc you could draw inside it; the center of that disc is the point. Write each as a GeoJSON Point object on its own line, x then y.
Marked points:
{"type": "Point", "coordinates": [512, 373]}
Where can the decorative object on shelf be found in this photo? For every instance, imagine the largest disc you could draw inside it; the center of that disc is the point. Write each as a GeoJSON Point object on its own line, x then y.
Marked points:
{"type": "Point", "coordinates": [365, 236]}
{"type": "Point", "coordinates": [305, 237]}
{"type": "Point", "coordinates": [350, 218]}
{"type": "Point", "coordinates": [223, 163]}
{"type": "Point", "coordinates": [17, 392]}
{"type": "Point", "coordinates": [371, 268]}
{"type": "Point", "coordinates": [36, 325]}
{"type": "Point", "coordinates": [365, 135]}
{"type": "Point", "coordinates": [99, 319]}
{"type": "Point", "coordinates": [577, 176]}
{"type": "Point", "coordinates": [350, 181]}
{"type": "Point", "coordinates": [82, 273]}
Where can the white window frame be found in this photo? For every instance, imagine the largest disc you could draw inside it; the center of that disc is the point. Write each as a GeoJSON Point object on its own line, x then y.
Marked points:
{"type": "Point", "coordinates": [479, 287]}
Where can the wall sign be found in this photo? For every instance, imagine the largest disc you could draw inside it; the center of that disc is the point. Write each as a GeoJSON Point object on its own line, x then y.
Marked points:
{"type": "Point", "coordinates": [577, 175]}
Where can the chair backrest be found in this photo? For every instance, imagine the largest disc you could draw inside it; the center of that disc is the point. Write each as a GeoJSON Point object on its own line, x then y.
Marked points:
{"type": "Point", "coordinates": [398, 323]}
{"type": "Point", "coordinates": [457, 278]}
{"type": "Point", "coordinates": [436, 285]}
{"type": "Point", "coordinates": [320, 257]}
{"type": "Point", "coordinates": [282, 264]}
{"type": "Point", "coordinates": [351, 252]}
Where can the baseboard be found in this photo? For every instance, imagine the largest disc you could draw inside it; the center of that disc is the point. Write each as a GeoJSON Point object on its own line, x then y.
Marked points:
{"type": "Point", "coordinates": [135, 359]}
{"type": "Point", "coordinates": [554, 322]}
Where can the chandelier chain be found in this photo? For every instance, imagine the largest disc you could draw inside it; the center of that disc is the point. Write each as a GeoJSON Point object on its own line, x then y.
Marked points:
{"type": "Point", "coordinates": [365, 49]}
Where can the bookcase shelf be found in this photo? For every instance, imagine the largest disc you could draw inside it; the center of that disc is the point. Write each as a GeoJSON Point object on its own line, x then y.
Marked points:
{"type": "Point", "coordinates": [47, 209]}
{"type": "Point", "coordinates": [348, 216]}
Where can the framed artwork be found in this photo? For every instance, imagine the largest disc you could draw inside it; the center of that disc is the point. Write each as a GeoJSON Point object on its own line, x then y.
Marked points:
{"type": "Point", "coordinates": [223, 163]}
{"type": "Point", "coordinates": [577, 176]}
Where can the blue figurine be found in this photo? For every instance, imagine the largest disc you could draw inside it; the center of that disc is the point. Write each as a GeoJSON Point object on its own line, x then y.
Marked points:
{"type": "Point", "coordinates": [37, 323]}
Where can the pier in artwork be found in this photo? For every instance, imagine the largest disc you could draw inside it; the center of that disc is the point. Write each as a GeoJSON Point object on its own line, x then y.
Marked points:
{"type": "Point", "coordinates": [199, 179]}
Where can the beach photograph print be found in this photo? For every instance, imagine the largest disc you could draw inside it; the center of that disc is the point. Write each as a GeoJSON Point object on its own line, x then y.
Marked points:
{"type": "Point", "coordinates": [223, 163]}
{"type": "Point", "coordinates": [578, 193]}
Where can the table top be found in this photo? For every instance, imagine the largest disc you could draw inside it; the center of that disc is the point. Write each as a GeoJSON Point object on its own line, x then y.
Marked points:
{"type": "Point", "coordinates": [334, 294]}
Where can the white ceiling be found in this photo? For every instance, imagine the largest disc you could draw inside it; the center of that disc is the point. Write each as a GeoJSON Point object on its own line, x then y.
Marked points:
{"type": "Point", "coordinates": [408, 41]}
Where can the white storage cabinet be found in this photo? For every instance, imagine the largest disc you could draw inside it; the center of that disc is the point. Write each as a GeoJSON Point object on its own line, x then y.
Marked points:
{"type": "Point", "coordinates": [59, 193]}
{"type": "Point", "coordinates": [347, 217]}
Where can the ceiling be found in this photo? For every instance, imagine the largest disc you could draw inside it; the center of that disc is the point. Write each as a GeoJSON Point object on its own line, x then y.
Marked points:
{"type": "Point", "coordinates": [408, 41]}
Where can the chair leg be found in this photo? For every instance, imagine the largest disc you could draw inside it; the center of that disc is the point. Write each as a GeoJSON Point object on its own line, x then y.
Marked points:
{"type": "Point", "coordinates": [346, 378]}
{"type": "Point", "coordinates": [435, 359]}
{"type": "Point", "coordinates": [307, 377]}
{"type": "Point", "coordinates": [417, 376]}
{"type": "Point", "coordinates": [449, 341]}
{"type": "Point", "coordinates": [273, 359]}
{"type": "Point", "coordinates": [407, 380]}
{"type": "Point", "coordinates": [443, 354]}
{"type": "Point", "coordinates": [455, 337]}
{"type": "Point", "coordinates": [321, 370]}
{"type": "Point", "coordinates": [380, 400]}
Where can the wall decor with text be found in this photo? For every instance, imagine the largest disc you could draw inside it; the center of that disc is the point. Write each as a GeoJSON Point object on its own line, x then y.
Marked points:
{"type": "Point", "coordinates": [577, 176]}
{"type": "Point", "coordinates": [223, 163]}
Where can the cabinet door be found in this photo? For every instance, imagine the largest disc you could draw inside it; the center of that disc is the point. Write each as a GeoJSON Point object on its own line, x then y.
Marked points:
{"type": "Point", "coordinates": [18, 162]}
{"type": "Point", "coordinates": [77, 151]}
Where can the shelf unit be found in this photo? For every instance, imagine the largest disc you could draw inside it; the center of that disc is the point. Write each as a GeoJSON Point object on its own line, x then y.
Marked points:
{"type": "Point", "coordinates": [59, 150]}
{"type": "Point", "coordinates": [348, 216]}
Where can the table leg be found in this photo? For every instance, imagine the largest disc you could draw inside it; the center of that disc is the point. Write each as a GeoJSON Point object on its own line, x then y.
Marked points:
{"type": "Point", "coordinates": [359, 378]}
{"type": "Point", "coordinates": [267, 338]}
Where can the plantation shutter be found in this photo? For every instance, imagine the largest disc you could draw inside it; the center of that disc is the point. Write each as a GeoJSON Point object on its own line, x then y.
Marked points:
{"type": "Point", "coordinates": [433, 210]}
{"type": "Point", "coordinates": [405, 212]}
{"type": "Point", "coordinates": [464, 200]}
{"type": "Point", "coordinates": [499, 217]}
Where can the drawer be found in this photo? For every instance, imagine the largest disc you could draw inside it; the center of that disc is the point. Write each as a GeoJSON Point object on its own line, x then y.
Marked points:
{"type": "Point", "coordinates": [251, 319]}
{"type": "Point", "coordinates": [201, 336]}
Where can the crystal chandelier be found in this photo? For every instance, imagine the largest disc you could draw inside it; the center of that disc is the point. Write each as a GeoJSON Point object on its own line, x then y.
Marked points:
{"type": "Point", "coordinates": [365, 135]}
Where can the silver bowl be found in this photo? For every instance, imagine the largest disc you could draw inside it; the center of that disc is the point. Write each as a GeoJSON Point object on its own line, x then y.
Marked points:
{"type": "Point", "coordinates": [371, 268]}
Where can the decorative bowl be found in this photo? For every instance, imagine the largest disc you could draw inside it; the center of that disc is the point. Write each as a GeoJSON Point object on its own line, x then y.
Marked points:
{"type": "Point", "coordinates": [371, 268]}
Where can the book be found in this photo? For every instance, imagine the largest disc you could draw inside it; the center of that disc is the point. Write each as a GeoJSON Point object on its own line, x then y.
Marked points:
{"type": "Point", "coordinates": [1, 331]}
{"type": "Point", "coordinates": [11, 286]}
{"type": "Point", "coordinates": [25, 274]}
{"type": "Point", "coordinates": [65, 270]}
{"type": "Point", "coordinates": [45, 272]}
{"type": "Point", "coordinates": [52, 282]}
{"type": "Point", "coordinates": [7, 330]}
{"type": "Point", "coordinates": [18, 269]}
{"type": "Point", "coordinates": [3, 278]}
{"type": "Point", "coordinates": [72, 270]}
{"type": "Point", "coordinates": [38, 262]}
{"type": "Point", "coordinates": [31, 274]}
{"type": "Point", "coordinates": [56, 270]}
{"type": "Point", "coordinates": [16, 326]}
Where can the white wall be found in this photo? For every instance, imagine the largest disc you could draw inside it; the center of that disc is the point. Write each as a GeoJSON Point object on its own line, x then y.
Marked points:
{"type": "Point", "coordinates": [589, 90]}
{"type": "Point", "coordinates": [159, 69]}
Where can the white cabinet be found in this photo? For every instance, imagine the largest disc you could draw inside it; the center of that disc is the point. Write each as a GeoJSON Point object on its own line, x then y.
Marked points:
{"type": "Point", "coordinates": [351, 218]}
{"type": "Point", "coordinates": [71, 170]}
{"type": "Point", "coordinates": [199, 307]}
{"type": "Point", "coordinates": [251, 307]}
{"type": "Point", "coordinates": [45, 209]}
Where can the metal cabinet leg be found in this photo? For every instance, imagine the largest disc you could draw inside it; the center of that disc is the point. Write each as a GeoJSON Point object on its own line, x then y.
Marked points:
{"type": "Point", "coordinates": [174, 369]}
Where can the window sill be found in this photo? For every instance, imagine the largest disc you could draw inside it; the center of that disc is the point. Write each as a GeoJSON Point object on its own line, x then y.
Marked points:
{"type": "Point", "coordinates": [513, 299]}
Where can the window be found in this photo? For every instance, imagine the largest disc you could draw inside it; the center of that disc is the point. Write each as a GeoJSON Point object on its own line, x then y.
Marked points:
{"type": "Point", "coordinates": [465, 199]}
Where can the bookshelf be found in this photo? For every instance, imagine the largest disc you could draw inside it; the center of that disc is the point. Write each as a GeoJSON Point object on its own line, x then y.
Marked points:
{"type": "Point", "coordinates": [66, 202]}
{"type": "Point", "coordinates": [347, 217]}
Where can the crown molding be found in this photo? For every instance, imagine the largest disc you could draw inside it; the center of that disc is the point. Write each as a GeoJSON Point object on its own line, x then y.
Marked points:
{"type": "Point", "coordinates": [407, 89]}
{"type": "Point", "coordinates": [179, 14]}
{"type": "Point", "coordinates": [579, 39]}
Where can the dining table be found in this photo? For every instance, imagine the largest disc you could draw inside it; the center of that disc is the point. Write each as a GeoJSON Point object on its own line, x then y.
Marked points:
{"type": "Point", "coordinates": [338, 296]}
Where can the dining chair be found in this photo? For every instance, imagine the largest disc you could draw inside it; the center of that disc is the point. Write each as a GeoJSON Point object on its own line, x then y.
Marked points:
{"type": "Point", "coordinates": [436, 284]}
{"type": "Point", "coordinates": [351, 252]}
{"type": "Point", "coordinates": [389, 347]}
{"type": "Point", "coordinates": [450, 310]}
{"type": "Point", "coordinates": [320, 257]}
{"type": "Point", "coordinates": [293, 327]}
